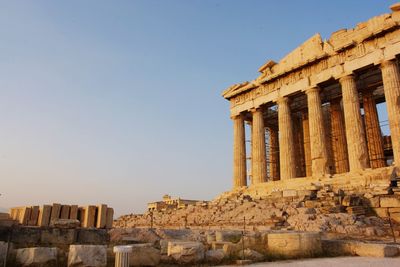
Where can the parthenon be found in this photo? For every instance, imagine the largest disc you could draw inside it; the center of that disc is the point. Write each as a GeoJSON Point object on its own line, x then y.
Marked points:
{"type": "Point", "coordinates": [314, 114]}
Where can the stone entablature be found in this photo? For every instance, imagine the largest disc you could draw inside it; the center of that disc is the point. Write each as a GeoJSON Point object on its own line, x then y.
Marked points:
{"type": "Point", "coordinates": [317, 61]}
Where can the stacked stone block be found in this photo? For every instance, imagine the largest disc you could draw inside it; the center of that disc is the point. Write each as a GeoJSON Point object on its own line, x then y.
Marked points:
{"type": "Point", "coordinates": [92, 216]}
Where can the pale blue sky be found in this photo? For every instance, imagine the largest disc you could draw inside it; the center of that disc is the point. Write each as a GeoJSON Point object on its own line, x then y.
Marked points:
{"type": "Point", "coordinates": [119, 102]}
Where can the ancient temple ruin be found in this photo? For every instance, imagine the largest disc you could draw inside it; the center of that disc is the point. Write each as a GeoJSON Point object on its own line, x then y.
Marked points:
{"type": "Point", "coordinates": [314, 113]}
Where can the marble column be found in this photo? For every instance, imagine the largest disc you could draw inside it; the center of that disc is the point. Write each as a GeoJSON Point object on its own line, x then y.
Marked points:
{"type": "Point", "coordinates": [274, 154]}
{"type": "Point", "coordinates": [239, 152]}
{"type": "Point", "coordinates": [286, 143]}
{"type": "Point", "coordinates": [306, 143]}
{"type": "Point", "coordinates": [258, 161]}
{"type": "Point", "coordinates": [373, 131]}
{"type": "Point", "coordinates": [319, 155]}
{"type": "Point", "coordinates": [339, 144]}
{"type": "Point", "coordinates": [356, 143]}
{"type": "Point", "coordinates": [122, 255]}
{"type": "Point", "coordinates": [299, 147]}
{"type": "Point", "coordinates": [391, 85]}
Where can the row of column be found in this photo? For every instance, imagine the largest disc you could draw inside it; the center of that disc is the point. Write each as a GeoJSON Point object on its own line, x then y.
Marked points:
{"type": "Point", "coordinates": [351, 151]}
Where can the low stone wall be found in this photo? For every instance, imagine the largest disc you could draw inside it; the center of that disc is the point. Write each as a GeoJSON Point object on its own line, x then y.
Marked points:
{"type": "Point", "coordinates": [98, 216]}
{"type": "Point", "coordinates": [18, 238]}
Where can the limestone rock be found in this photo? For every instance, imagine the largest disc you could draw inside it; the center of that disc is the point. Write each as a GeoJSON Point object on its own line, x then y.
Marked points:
{"type": "Point", "coordinates": [228, 236]}
{"type": "Point", "coordinates": [65, 223]}
{"type": "Point", "coordinates": [87, 255]}
{"type": "Point", "coordinates": [390, 202]}
{"type": "Point", "coordinates": [144, 255]}
{"type": "Point", "coordinates": [37, 257]}
{"type": "Point", "coordinates": [252, 255]}
{"type": "Point", "coordinates": [186, 252]}
{"type": "Point", "coordinates": [215, 256]}
{"type": "Point", "coordinates": [294, 244]}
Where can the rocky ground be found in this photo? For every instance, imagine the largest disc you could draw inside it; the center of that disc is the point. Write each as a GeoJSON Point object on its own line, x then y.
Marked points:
{"type": "Point", "coordinates": [350, 215]}
{"type": "Point", "coordinates": [333, 262]}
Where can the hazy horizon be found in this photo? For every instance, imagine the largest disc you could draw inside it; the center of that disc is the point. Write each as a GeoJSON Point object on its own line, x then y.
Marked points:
{"type": "Point", "coordinates": [120, 102]}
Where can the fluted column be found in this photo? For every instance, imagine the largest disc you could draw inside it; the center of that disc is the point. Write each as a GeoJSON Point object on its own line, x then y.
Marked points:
{"type": "Point", "coordinates": [239, 152]}
{"type": "Point", "coordinates": [122, 255]}
{"type": "Point", "coordinates": [299, 147]}
{"type": "Point", "coordinates": [319, 155]}
{"type": "Point", "coordinates": [373, 131]}
{"type": "Point", "coordinates": [306, 143]}
{"type": "Point", "coordinates": [356, 144]}
{"type": "Point", "coordinates": [339, 144]}
{"type": "Point", "coordinates": [286, 144]}
{"type": "Point", "coordinates": [258, 163]}
{"type": "Point", "coordinates": [274, 154]}
{"type": "Point", "coordinates": [391, 84]}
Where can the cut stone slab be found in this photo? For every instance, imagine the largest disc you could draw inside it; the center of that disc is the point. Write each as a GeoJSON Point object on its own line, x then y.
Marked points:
{"type": "Point", "coordinates": [65, 223]}
{"type": "Point", "coordinates": [186, 252]}
{"type": "Point", "coordinates": [144, 255]}
{"type": "Point", "coordinates": [37, 257]}
{"type": "Point", "coordinates": [87, 255]}
{"type": "Point", "coordinates": [294, 244]}
{"type": "Point", "coordinates": [228, 236]}
{"type": "Point", "coordinates": [390, 202]}
{"type": "Point", "coordinates": [44, 215]}
{"type": "Point", "coordinates": [357, 248]}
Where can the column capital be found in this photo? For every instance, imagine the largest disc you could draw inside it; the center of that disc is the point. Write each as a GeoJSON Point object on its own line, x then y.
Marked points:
{"type": "Point", "coordinates": [314, 89]}
{"type": "Point", "coordinates": [282, 100]}
{"type": "Point", "coordinates": [388, 63]}
{"type": "Point", "coordinates": [346, 77]}
{"type": "Point", "coordinates": [237, 116]}
{"type": "Point", "coordinates": [255, 109]}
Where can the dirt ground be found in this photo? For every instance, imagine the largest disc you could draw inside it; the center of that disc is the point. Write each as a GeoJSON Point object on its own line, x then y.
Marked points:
{"type": "Point", "coordinates": [334, 262]}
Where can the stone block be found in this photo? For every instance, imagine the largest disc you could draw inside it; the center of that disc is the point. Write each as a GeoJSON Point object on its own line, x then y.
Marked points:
{"type": "Point", "coordinates": [55, 236]}
{"type": "Point", "coordinates": [65, 223]}
{"type": "Point", "coordinates": [25, 215]}
{"type": "Point", "coordinates": [44, 215]}
{"type": "Point", "coordinates": [144, 255]}
{"type": "Point", "coordinates": [393, 210]}
{"type": "Point", "coordinates": [26, 236]}
{"type": "Point", "coordinates": [219, 245]}
{"type": "Point", "coordinates": [34, 216]}
{"type": "Point", "coordinates": [228, 236]}
{"type": "Point", "coordinates": [4, 216]}
{"type": "Point", "coordinates": [64, 214]}
{"type": "Point", "coordinates": [87, 255]}
{"type": "Point", "coordinates": [357, 248]}
{"type": "Point", "coordinates": [55, 211]}
{"type": "Point", "coordinates": [381, 212]}
{"type": "Point", "coordinates": [90, 217]}
{"type": "Point", "coordinates": [37, 257]}
{"type": "Point", "coordinates": [3, 251]}
{"type": "Point", "coordinates": [101, 216]}
{"type": "Point", "coordinates": [289, 193]}
{"type": "Point", "coordinates": [276, 194]}
{"type": "Point", "coordinates": [395, 216]}
{"type": "Point", "coordinates": [73, 213]}
{"type": "Point", "coordinates": [186, 252]}
{"type": "Point", "coordinates": [92, 236]}
{"type": "Point", "coordinates": [294, 244]}
{"type": "Point", "coordinates": [215, 256]}
{"type": "Point", "coordinates": [110, 218]}
{"type": "Point", "coordinates": [390, 202]}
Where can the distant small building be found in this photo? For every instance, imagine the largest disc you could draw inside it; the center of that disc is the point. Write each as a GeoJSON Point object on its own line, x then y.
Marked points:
{"type": "Point", "coordinates": [169, 202]}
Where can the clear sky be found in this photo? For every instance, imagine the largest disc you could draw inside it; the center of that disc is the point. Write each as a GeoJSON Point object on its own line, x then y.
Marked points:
{"type": "Point", "coordinates": [119, 102]}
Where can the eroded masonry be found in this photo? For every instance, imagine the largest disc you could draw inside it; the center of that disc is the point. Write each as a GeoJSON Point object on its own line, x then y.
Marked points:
{"type": "Point", "coordinates": [314, 114]}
